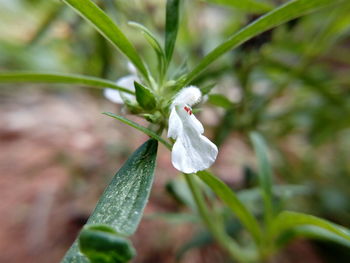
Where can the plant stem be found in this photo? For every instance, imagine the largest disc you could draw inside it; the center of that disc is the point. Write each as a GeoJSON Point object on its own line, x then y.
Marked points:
{"type": "Point", "coordinates": [233, 249]}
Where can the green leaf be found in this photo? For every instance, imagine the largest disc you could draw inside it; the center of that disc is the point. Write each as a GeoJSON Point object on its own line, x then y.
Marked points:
{"type": "Point", "coordinates": [174, 218]}
{"type": "Point", "coordinates": [288, 220]}
{"type": "Point", "coordinates": [312, 232]}
{"type": "Point", "coordinates": [281, 191]}
{"type": "Point", "coordinates": [246, 5]}
{"type": "Point", "coordinates": [152, 40]}
{"type": "Point", "coordinates": [207, 88]}
{"type": "Point", "coordinates": [220, 100]}
{"type": "Point", "coordinates": [122, 203]}
{"type": "Point", "coordinates": [278, 16]}
{"type": "Point", "coordinates": [197, 240]}
{"type": "Point", "coordinates": [105, 25]}
{"type": "Point", "coordinates": [37, 77]}
{"type": "Point", "coordinates": [232, 201]}
{"type": "Point", "coordinates": [150, 133]}
{"type": "Point", "coordinates": [171, 27]}
{"type": "Point", "coordinates": [101, 244]}
{"type": "Point", "coordinates": [144, 97]}
{"type": "Point", "coordinates": [265, 173]}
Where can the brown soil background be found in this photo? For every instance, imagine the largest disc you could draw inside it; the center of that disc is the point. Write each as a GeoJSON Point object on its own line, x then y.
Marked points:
{"type": "Point", "coordinates": [58, 152]}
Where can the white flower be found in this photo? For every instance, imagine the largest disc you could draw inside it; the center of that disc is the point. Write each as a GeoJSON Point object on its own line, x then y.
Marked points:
{"type": "Point", "coordinates": [192, 151]}
{"type": "Point", "coordinates": [125, 82]}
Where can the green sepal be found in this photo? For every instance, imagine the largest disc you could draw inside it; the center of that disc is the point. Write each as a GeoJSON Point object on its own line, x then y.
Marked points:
{"type": "Point", "coordinates": [154, 117]}
{"type": "Point", "coordinates": [144, 97]}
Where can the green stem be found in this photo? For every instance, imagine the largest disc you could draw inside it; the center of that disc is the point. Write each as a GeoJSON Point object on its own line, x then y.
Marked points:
{"type": "Point", "coordinates": [233, 249]}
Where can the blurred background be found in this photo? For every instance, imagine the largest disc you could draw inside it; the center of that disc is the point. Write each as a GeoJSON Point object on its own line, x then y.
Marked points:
{"type": "Point", "coordinates": [58, 152]}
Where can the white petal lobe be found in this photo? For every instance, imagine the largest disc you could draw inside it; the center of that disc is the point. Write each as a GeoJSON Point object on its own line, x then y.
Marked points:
{"type": "Point", "coordinates": [113, 95]}
{"type": "Point", "coordinates": [192, 151]}
{"type": "Point", "coordinates": [128, 82]}
{"type": "Point", "coordinates": [125, 82]}
{"type": "Point", "coordinates": [175, 125]}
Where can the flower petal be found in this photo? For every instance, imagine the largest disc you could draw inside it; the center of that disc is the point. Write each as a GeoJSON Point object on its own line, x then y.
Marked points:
{"type": "Point", "coordinates": [128, 82]}
{"type": "Point", "coordinates": [188, 119]}
{"type": "Point", "coordinates": [113, 95]}
{"type": "Point", "coordinates": [175, 125]}
{"type": "Point", "coordinates": [196, 124]}
{"type": "Point", "coordinates": [125, 82]}
{"type": "Point", "coordinates": [193, 152]}
{"type": "Point", "coordinates": [190, 95]}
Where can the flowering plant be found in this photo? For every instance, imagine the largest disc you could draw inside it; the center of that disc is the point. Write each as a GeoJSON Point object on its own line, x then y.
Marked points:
{"type": "Point", "coordinates": [167, 101]}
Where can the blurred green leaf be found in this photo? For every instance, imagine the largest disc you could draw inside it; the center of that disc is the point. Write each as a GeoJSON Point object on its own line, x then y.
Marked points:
{"type": "Point", "coordinates": [180, 191]}
{"type": "Point", "coordinates": [212, 222]}
{"type": "Point", "coordinates": [150, 133]}
{"type": "Point", "coordinates": [144, 97]}
{"type": "Point", "coordinates": [152, 40]}
{"type": "Point", "coordinates": [122, 203]}
{"type": "Point", "coordinates": [198, 240]}
{"type": "Point", "coordinates": [279, 15]}
{"type": "Point", "coordinates": [281, 191]}
{"type": "Point", "coordinates": [231, 200]}
{"type": "Point", "coordinates": [51, 16]}
{"type": "Point", "coordinates": [220, 100]}
{"type": "Point", "coordinates": [101, 244]}
{"type": "Point", "coordinates": [105, 25]}
{"type": "Point", "coordinates": [36, 77]}
{"type": "Point", "coordinates": [265, 173]}
{"type": "Point", "coordinates": [207, 88]}
{"type": "Point", "coordinates": [312, 232]}
{"type": "Point", "coordinates": [288, 220]}
{"type": "Point", "coordinates": [171, 26]}
{"type": "Point", "coordinates": [204, 238]}
{"type": "Point", "coordinates": [246, 5]}
{"type": "Point", "coordinates": [174, 218]}
{"type": "Point", "coordinates": [226, 125]}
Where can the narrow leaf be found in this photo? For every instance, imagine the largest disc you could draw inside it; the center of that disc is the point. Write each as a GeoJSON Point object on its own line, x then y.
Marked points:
{"type": "Point", "coordinates": [36, 77]}
{"type": "Point", "coordinates": [105, 25]}
{"type": "Point", "coordinates": [152, 40]}
{"type": "Point", "coordinates": [144, 97]}
{"type": "Point", "coordinates": [122, 203]}
{"type": "Point", "coordinates": [174, 218]}
{"type": "Point", "coordinates": [246, 5]}
{"type": "Point", "coordinates": [312, 232]}
{"type": "Point", "coordinates": [288, 220]}
{"type": "Point", "coordinates": [150, 133]}
{"type": "Point", "coordinates": [231, 200]}
{"type": "Point", "coordinates": [265, 173]}
{"type": "Point", "coordinates": [278, 16]}
{"type": "Point", "coordinates": [171, 27]}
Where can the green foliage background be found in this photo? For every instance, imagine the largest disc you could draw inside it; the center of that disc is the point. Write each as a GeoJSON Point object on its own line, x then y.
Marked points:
{"type": "Point", "coordinates": [290, 83]}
